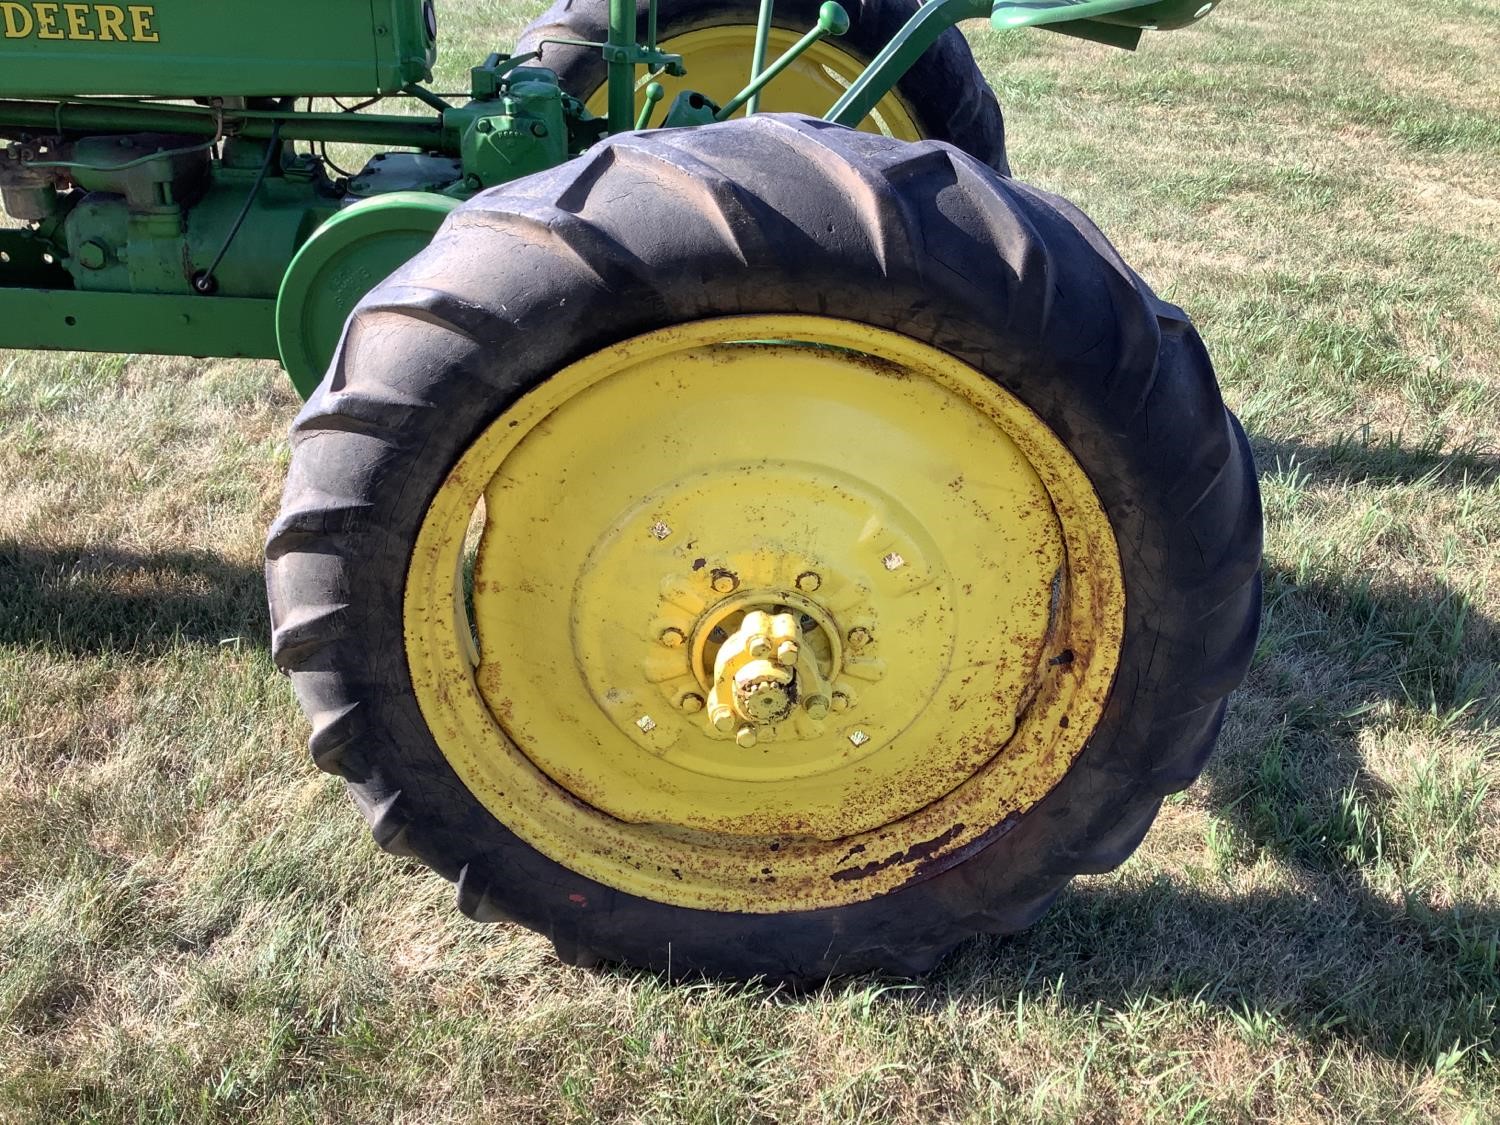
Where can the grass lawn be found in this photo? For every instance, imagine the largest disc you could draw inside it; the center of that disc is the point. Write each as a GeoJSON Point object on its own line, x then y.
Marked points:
{"type": "Point", "coordinates": [195, 925]}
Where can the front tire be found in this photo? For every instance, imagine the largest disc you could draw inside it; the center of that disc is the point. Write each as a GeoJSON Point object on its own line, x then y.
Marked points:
{"type": "Point", "coordinates": [915, 271]}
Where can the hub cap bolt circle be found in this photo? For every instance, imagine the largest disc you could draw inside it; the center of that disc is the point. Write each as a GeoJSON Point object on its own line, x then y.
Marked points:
{"type": "Point", "coordinates": [809, 581]}
{"type": "Point", "coordinates": [725, 582]}
{"type": "Point", "coordinates": [672, 638]}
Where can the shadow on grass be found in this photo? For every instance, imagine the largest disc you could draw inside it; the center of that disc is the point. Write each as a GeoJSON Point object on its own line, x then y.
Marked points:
{"type": "Point", "coordinates": [1378, 459]}
{"type": "Point", "coordinates": [1329, 959]}
{"type": "Point", "coordinates": [1326, 962]}
{"type": "Point", "coordinates": [88, 599]}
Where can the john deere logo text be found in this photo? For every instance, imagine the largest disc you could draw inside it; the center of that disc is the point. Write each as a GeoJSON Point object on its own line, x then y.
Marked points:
{"type": "Point", "coordinates": [104, 23]}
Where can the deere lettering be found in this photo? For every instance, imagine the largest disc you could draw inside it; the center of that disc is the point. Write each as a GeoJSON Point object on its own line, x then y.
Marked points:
{"type": "Point", "coordinates": [103, 23]}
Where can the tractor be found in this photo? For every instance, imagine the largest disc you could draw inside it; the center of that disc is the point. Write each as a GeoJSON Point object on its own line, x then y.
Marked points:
{"type": "Point", "coordinates": [734, 528]}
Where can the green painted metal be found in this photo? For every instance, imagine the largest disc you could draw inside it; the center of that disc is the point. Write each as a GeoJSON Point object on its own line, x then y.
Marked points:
{"type": "Point", "coordinates": [133, 193]}
{"type": "Point", "coordinates": [900, 54]}
{"type": "Point", "coordinates": [655, 91]}
{"type": "Point", "coordinates": [27, 262]}
{"type": "Point", "coordinates": [758, 54]}
{"type": "Point", "coordinates": [155, 235]}
{"type": "Point", "coordinates": [1162, 15]}
{"type": "Point", "coordinates": [621, 64]}
{"type": "Point", "coordinates": [190, 48]}
{"type": "Point", "coordinates": [832, 20]}
{"type": "Point", "coordinates": [100, 115]}
{"type": "Point", "coordinates": [138, 323]}
{"type": "Point", "coordinates": [346, 258]}
{"type": "Point", "coordinates": [1117, 23]}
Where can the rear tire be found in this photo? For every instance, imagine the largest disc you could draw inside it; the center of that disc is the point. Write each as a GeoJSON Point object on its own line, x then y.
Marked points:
{"type": "Point", "coordinates": [794, 217]}
{"type": "Point", "coordinates": [944, 94]}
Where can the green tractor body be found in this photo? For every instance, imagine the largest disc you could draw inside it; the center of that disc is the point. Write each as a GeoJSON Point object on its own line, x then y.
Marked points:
{"type": "Point", "coordinates": [168, 179]}
{"type": "Point", "coordinates": [165, 171]}
{"type": "Point", "coordinates": [182, 49]}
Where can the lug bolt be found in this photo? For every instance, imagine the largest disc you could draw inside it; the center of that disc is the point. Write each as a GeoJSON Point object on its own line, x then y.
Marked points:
{"type": "Point", "coordinates": [816, 706]}
{"type": "Point", "coordinates": [786, 653]}
{"type": "Point", "coordinates": [745, 738]}
{"type": "Point", "coordinates": [840, 701]}
{"type": "Point", "coordinates": [692, 703]}
{"type": "Point", "coordinates": [723, 718]}
{"type": "Point", "coordinates": [809, 581]}
{"type": "Point", "coordinates": [859, 637]}
{"type": "Point", "coordinates": [672, 638]}
{"type": "Point", "coordinates": [759, 647]}
{"type": "Point", "coordinates": [725, 582]}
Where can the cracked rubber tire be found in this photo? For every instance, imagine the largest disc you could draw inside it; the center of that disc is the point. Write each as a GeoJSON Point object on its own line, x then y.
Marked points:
{"type": "Point", "coordinates": [789, 216]}
{"type": "Point", "coordinates": [944, 93]}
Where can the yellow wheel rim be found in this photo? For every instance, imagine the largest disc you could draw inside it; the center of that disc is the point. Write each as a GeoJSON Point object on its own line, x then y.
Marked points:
{"type": "Point", "coordinates": [718, 66]}
{"type": "Point", "coordinates": [654, 515]}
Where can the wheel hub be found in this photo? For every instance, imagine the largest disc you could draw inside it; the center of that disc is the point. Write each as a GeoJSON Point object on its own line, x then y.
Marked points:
{"type": "Point", "coordinates": [819, 663]}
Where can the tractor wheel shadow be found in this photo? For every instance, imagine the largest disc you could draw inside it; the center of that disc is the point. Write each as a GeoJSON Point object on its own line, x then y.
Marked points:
{"type": "Point", "coordinates": [87, 599]}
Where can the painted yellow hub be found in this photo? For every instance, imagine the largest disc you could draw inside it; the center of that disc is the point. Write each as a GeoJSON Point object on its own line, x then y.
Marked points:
{"type": "Point", "coordinates": [718, 66]}
{"type": "Point", "coordinates": [676, 525]}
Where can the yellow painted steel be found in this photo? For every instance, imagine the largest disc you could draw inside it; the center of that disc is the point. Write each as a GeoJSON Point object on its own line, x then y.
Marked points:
{"type": "Point", "coordinates": [718, 66]}
{"type": "Point", "coordinates": [933, 553]}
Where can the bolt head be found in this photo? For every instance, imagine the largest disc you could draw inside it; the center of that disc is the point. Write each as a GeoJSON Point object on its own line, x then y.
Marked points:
{"type": "Point", "coordinates": [725, 582]}
{"type": "Point", "coordinates": [859, 637]}
{"type": "Point", "coordinates": [745, 738]}
{"type": "Point", "coordinates": [692, 703]}
{"type": "Point", "coordinates": [816, 706]}
{"type": "Point", "coordinates": [840, 701]}
{"type": "Point", "coordinates": [809, 581]}
{"type": "Point", "coordinates": [786, 653]}
{"type": "Point", "coordinates": [723, 719]}
{"type": "Point", "coordinates": [673, 638]}
{"type": "Point", "coordinates": [759, 647]}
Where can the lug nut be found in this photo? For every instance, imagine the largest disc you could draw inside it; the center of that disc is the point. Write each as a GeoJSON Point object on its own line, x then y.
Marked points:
{"type": "Point", "coordinates": [809, 581]}
{"type": "Point", "coordinates": [745, 738]}
{"type": "Point", "coordinates": [672, 638]}
{"type": "Point", "coordinates": [692, 703]}
{"type": "Point", "coordinates": [816, 706]}
{"type": "Point", "coordinates": [759, 647]}
{"type": "Point", "coordinates": [786, 653]}
{"type": "Point", "coordinates": [840, 701]}
{"type": "Point", "coordinates": [725, 582]}
{"type": "Point", "coordinates": [859, 637]}
{"type": "Point", "coordinates": [723, 718]}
